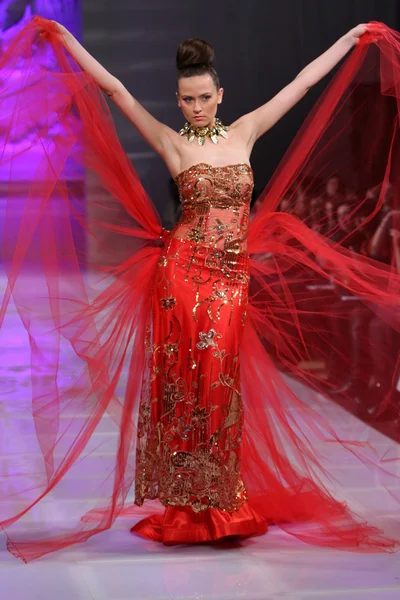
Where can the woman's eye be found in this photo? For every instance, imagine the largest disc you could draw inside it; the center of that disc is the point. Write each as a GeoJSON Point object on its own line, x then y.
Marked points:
{"type": "Point", "coordinates": [206, 97]}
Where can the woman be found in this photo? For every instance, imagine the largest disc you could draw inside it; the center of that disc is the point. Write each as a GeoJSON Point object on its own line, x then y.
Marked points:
{"type": "Point", "coordinates": [219, 468]}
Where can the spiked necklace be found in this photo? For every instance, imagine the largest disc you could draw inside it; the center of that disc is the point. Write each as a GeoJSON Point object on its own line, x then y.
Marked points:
{"type": "Point", "coordinates": [202, 132]}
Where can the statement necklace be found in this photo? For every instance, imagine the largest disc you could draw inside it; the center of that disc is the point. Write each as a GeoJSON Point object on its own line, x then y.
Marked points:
{"type": "Point", "coordinates": [202, 132]}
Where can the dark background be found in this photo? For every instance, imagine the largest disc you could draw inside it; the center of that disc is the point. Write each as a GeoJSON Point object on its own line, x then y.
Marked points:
{"type": "Point", "coordinates": [260, 46]}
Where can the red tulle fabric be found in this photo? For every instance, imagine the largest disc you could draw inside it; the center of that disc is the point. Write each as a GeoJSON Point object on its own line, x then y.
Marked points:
{"type": "Point", "coordinates": [80, 277]}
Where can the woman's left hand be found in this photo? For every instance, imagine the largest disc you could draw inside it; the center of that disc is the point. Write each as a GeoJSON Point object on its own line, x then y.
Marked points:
{"type": "Point", "coordinates": [354, 34]}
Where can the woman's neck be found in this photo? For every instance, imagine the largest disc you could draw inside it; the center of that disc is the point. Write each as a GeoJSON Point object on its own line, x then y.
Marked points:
{"type": "Point", "coordinates": [210, 125]}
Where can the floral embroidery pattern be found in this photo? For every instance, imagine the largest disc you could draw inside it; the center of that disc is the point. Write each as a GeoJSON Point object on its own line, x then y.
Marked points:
{"type": "Point", "coordinates": [215, 202]}
{"type": "Point", "coordinates": [168, 303]}
{"type": "Point", "coordinates": [170, 349]}
{"type": "Point", "coordinates": [190, 421]}
{"type": "Point", "coordinates": [206, 339]}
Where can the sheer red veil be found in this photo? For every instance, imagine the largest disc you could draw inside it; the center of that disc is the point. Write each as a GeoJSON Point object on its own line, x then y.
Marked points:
{"type": "Point", "coordinates": [79, 261]}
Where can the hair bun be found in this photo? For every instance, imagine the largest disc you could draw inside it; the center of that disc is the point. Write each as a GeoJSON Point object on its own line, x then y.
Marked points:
{"type": "Point", "coordinates": [194, 52]}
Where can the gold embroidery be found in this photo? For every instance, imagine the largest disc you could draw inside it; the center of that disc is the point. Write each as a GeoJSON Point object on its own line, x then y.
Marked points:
{"type": "Point", "coordinates": [190, 419]}
{"type": "Point", "coordinates": [195, 235]}
{"type": "Point", "coordinates": [170, 349]}
{"type": "Point", "coordinates": [215, 202]}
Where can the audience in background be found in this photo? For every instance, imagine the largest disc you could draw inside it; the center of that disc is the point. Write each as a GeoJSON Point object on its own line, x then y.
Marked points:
{"type": "Point", "coordinates": [366, 222]}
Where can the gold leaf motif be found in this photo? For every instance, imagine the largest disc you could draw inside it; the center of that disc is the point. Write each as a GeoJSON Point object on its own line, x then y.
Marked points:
{"type": "Point", "coordinates": [190, 422]}
{"type": "Point", "coordinates": [203, 132]}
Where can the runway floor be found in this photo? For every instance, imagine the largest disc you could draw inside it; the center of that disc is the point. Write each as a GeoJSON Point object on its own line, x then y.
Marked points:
{"type": "Point", "coordinates": [116, 565]}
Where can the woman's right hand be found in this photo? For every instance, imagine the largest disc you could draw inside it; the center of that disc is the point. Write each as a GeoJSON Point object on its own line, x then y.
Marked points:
{"type": "Point", "coordinates": [45, 31]}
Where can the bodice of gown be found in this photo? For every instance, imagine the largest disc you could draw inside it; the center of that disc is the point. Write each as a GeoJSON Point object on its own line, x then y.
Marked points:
{"type": "Point", "coordinates": [215, 206]}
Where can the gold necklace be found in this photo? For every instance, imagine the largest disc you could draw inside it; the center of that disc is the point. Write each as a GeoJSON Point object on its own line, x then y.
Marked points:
{"type": "Point", "coordinates": [202, 132]}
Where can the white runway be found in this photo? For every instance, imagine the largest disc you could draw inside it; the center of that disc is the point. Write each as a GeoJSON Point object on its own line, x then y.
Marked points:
{"type": "Point", "coordinates": [119, 566]}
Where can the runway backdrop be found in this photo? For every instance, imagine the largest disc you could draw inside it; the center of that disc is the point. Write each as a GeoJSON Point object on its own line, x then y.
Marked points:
{"type": "Point", "coordinates": [260, 46]}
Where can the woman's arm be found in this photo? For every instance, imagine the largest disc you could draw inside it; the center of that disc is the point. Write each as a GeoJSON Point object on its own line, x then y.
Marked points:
{"type": "Point", "coordinates": [258, 122]}
{"type": "Point", "coordinates": [158, 135]}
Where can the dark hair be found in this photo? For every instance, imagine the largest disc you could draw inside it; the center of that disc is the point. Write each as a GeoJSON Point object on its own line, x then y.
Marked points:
{"type": "Point", "coordinates": [196, 57]}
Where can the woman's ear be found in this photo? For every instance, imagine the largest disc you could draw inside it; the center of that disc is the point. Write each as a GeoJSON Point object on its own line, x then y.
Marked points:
{"type": "Point", "coordinates": [178, 99]}
{"type": "Point", "coordinates": [220, 95]}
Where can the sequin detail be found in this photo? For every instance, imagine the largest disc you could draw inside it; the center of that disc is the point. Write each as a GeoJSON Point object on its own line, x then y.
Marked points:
{"type": "Point", "coordinates": [206, 339]}
{"type": "Point", "coordinates": [168, 303]}
{"type": "Point", "coordinates": [190, 422]}
{"type": "Point", "coordinates": [215, 205]}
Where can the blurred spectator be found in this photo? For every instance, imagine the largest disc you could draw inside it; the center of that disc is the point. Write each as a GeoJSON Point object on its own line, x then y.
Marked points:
{"type": "Point", "coordinates": [383, 195]}
{"type": "Point", "coordinates": [349, 231]}
{"type": "Point", "coordinates": [300, 203]}
{"type": "Point", "coordinates": [395, 235]}
{"type": "Point", "coordinates": [333, 198]}
{"type": "Point", "coordinates": [284, 205]}
{"type": "Point", "coordinates": [384, 244]}
{"type": "Point", "coordinates": [296, 202]}
{"type": "Point", "coordinates": [323, 208]}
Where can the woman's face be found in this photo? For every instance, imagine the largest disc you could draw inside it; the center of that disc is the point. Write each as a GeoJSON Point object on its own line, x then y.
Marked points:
{"type": "Point", "coordinates": [198, 98]}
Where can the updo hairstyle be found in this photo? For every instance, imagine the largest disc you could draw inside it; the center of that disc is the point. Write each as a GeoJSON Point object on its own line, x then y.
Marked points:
{"type": "Point", "coordinates": [196, 57]}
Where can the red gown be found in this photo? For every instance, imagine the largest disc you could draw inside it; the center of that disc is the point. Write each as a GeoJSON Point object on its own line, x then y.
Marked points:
{"type": "Point", "coordinates": [190, 423]}
{"type": "Point", "coordinates": [168, 364]}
